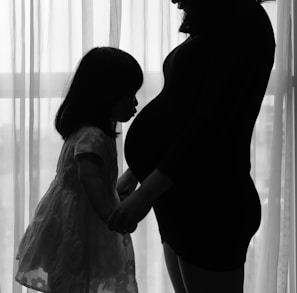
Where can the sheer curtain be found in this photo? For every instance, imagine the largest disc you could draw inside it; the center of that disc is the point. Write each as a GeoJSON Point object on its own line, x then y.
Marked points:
{"type": "Point", "coordinates": [41, 43]}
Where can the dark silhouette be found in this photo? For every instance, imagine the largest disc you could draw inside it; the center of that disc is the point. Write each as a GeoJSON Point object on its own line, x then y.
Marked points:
{"type": "Point", "coordinates": [68, 248]}
{"type": "Point", "coordinates": [190, 146]}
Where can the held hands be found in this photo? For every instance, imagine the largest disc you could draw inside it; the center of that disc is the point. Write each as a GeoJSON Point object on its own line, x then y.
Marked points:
{"type": "Point", "coordinates": [128, 213]}
{"type": "Point", "coordinates": [137, 205]}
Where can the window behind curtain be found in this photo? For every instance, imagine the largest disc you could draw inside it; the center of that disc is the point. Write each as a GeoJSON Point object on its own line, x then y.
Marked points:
{"type": "Point", "coordinates": [41, 43]}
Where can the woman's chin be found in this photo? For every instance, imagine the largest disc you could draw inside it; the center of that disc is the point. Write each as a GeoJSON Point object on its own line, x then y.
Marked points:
{"type": "Point", "coordinates": [125, 119]}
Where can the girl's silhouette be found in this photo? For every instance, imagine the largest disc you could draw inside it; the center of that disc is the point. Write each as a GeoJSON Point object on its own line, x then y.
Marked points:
{"type": "Point", "coordinates": [68, 248]}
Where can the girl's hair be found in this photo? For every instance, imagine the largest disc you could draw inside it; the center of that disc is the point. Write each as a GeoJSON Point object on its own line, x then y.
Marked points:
{"type": "Point", "coordinates": [103, 76]}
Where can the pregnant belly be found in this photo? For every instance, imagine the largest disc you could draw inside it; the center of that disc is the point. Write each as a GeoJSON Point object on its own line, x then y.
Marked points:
{"type": "Point", "coordinates": [146, 140]}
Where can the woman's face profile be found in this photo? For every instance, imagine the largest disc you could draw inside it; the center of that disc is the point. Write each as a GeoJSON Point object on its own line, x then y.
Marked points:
{"type": "Point", "coordinates": [182, 4]}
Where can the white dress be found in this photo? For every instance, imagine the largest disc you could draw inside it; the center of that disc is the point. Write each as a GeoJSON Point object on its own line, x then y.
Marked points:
{"type": "Point", "coordinates": [67, 248]}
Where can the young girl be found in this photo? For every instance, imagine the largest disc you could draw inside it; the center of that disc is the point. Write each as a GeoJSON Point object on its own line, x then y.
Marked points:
{"type": "Point", "coordinates": [68, 247]}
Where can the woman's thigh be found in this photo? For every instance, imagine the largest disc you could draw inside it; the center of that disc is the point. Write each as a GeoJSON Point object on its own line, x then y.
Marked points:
{"type": "Point", "coordinates": [198, 280]}
{"type": "Point", "coordinates": [173, 269]}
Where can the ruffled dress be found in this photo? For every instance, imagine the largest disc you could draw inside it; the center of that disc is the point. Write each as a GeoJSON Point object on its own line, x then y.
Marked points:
{"type": "Point", "coordinates": [67, 248]}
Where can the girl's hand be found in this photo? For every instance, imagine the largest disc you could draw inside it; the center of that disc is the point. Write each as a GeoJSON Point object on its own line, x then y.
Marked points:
{"type": "Point", "coordinates": [128, 213]}
{"type": "Point", "coordinates": [126, 184]}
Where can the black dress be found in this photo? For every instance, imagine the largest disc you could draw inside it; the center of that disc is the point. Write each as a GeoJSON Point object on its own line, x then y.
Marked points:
{"type": "Point", "coordinates": [198, 132]}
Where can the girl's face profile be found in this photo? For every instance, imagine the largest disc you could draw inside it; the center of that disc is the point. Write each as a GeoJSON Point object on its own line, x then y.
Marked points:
{"type": "Point", "coordinates": [124, 109]}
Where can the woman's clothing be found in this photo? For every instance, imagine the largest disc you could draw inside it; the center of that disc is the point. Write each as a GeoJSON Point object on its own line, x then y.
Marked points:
{"type": "Point", "coordinates": [67, 248]}
{"type": "Point", "coordinates": [198, 132]}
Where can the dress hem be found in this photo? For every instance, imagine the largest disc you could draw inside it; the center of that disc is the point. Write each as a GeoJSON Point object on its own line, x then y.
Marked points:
{"type": "Point", "coordinates": [32, 287]}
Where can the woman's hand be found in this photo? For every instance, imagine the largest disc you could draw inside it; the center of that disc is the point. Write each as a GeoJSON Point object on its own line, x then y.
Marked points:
{"type": "Point", "coordinates": [126, 184]}
{"type": "Point", "coordinates": [128, 213]}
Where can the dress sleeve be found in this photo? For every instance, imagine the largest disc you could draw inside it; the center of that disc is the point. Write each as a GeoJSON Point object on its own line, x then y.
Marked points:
{"type": "Point", "coordinates": [91, 141]}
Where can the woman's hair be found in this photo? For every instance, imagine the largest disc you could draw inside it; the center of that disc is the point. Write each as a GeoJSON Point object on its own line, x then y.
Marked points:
{"type": "Point", "coordinates": [192, 23]}
{"type": "Point", "coordinates": [103, 76]}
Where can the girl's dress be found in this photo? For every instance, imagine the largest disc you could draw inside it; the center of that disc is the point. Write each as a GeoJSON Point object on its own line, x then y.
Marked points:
{"type": "Point", "coordinates": [67, 248]}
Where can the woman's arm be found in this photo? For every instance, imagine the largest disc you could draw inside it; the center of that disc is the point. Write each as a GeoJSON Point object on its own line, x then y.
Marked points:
{"type": "Point", "coordinates": [153, 186]}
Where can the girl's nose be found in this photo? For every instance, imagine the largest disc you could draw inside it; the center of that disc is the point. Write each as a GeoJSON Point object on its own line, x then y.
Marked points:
{"type": "Point", "coordinates": [135, 102]}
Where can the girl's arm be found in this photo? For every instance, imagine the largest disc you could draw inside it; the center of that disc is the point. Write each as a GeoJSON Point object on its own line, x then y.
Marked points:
{"type": "Point", "coordinates": [91, 178]}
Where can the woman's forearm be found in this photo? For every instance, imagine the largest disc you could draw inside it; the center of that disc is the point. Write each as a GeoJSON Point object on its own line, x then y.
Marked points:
{"type": "Point", "coordinates": [131, 177]}
{"type": "Point", "coordinates": [154, 186]}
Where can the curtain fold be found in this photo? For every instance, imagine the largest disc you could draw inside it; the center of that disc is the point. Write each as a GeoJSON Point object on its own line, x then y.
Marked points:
{"type": "Point", "coordinates": [42, 41]}
{"type": "Point", "coordinates": [87, 25]}
{"type": "Point", "coordinates": [18, 104]}
{"type": "Point", "coordinates": [115, 23]}
{"type": "Point", "coordinates": [274, 257]}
